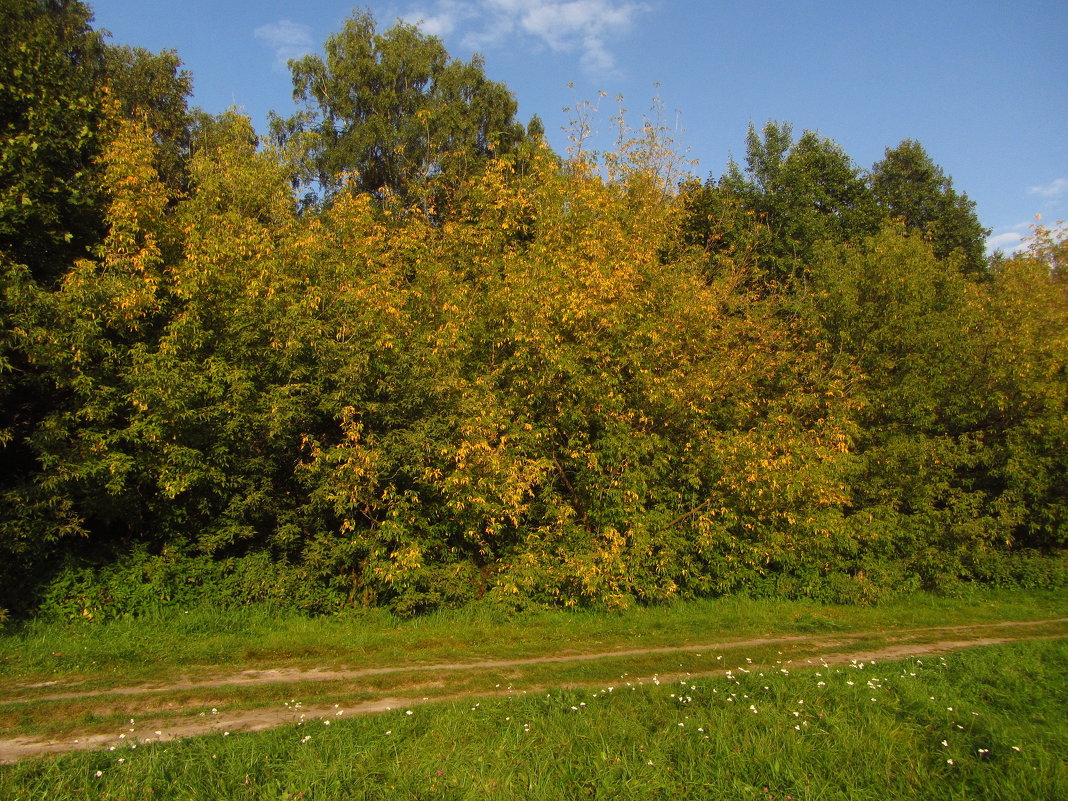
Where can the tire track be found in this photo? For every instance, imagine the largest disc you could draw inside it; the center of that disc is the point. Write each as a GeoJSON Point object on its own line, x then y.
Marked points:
{"type": "Point", "coordinates": [13, 749]}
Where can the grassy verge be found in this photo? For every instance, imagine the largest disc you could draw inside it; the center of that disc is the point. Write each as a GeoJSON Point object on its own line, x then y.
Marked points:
{"type": "Point", "coordinates": [105, 711]}
{"type": "Point", "coordinates": [202, 641]}
{"type": "Point", "coordinates": [984, 723]}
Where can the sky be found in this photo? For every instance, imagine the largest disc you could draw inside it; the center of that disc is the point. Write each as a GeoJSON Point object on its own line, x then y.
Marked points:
{"type": "Point", "coordinates": [982, 85]}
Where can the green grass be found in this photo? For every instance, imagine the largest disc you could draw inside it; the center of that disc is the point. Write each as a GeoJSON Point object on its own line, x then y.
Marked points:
{"type": "Point", "coordinates": [208, 640]}
{"type": "Point", "coordinates": [946, 728]}
{"type": "Point", "coordinates": [91, 658]}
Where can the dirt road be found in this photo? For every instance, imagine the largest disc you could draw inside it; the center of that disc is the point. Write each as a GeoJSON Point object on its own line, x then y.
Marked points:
{"type": "Point", "coordinates": [812, 649]}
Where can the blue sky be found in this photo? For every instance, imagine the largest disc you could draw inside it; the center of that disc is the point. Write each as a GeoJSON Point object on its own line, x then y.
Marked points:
{"type": "Point", "coordinates": [982, 85]}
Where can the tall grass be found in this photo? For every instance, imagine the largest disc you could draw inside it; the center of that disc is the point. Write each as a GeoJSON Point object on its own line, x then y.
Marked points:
{"type": "Point", "coordinates": [988, 723]}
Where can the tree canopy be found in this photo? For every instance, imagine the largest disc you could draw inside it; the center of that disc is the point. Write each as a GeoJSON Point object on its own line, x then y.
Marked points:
{"type": "Point", "coordinates": [801, 192]}
{"type": "Point", "coordinates": [579, 386]}
{"type": "Point", "coordinates": [387, 111]}
{"type": "Point", "coordinates": [914, 189]}
{"type": "Point", "coordinates": [50, 118]}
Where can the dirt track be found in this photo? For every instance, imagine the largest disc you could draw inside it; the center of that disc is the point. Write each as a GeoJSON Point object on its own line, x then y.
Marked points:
{"type": "Point", "coordinates": [811, 649]}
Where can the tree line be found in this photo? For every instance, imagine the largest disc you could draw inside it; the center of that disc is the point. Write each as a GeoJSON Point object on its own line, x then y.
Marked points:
{"type": "Point", "coordinates": [399, 352]}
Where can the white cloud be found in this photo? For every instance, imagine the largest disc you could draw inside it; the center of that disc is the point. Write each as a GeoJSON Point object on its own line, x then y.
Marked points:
{"type": "Point", "coordinates": [434, 24]}
{"type": "Point", "coordinates": [288, 40]}
{"type": "Point", "coordinates": [584, 27]}
{"type": "Point", "coordinates": [1007, 243]}
{"type": "Point", "coordinates": [1055, 188]}
{"type": "Point", "coordinates": [1009, 238]}
{"type": "Point", "coordinates": [443, 21]}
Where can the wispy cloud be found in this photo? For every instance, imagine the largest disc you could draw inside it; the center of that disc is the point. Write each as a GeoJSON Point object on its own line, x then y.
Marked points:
{"type": "Point", "coordinates": [445, 17]}
{"type": "Point", "coordinates": [1006, 243]}
{"type": "Point", "coordinates": [1009, 239]}
{"type": "Point", "coordinates": [288, 40]}
{"type": "Point", "coordinates": [586, 28]}
{"type": "Point", "coordinates": [1055, 188]}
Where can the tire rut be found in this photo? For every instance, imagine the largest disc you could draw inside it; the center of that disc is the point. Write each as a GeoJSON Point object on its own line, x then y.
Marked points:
{"type": "Point", "coordinates": [249, 678]}
{"type": "Point", "coordinates": [15, 749]}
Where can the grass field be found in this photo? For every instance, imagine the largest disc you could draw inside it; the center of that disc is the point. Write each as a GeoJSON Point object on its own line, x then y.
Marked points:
{"type": "Point", "coordinates": [209, 639]}
{"type": "Point", "coordinates": [981, 723]}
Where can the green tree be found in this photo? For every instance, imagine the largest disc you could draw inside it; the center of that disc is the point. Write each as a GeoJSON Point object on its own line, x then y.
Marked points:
{"type": "Point", "coordinates": [764, 156]}
{"type": "Point", "coordinates": [50, 110]}
{"type": "Point", "coordinates": [911, 187]}
{"type": "Point", "coordinates": [70, 469]}
{"type": "Point", "coordinates": [960, 392]}
{"type": "Point", "coordinates": [51, 213]}
{"type": "Point", "coordinates": [154, 89]}
{"type": "Point", "coordinates": [1025, 306]}
{"type": "Point", "coordinates": [719, 222]}
{"type": "Point", "coordinates": [803, 191]}
{"type": "Point", "coordinates": [387, 111]}
{"type": "Point", "coordinates": [81, 233]}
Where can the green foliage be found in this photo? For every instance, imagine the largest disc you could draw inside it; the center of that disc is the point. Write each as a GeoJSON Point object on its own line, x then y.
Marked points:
{"type": "Point", "coordinates": [388, 111]}
{"type": "Point", "coordinates": [139, 584]}
{"type": "Point", "coordinates": [961, 389]}
{"type": "Point", "coordinates": [582, 385]}
{"type": "Point", "coordinates": [793, 194]}
{"type": "Point", "coordinates": [913, 189]}
{"type": "Point", "coordinates": [803, 192]}
{"type": "Point", "coordinates": [83, 241]}
{"type": "Point", "coordinates": [80, 338]}
{"type": "Point", "coordinates": [154, 89]}
{"type": "Point", "coordinates": [50, 114]}
{"type": "Point", "coordinates": [51, 111]}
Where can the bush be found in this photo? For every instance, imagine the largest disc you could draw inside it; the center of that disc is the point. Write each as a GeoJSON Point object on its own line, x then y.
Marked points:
{"type": "Point", "coordinates": [140, 583]}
